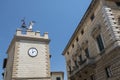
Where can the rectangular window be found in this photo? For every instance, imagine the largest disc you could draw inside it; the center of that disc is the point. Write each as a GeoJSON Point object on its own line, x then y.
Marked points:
{"type": "Point", "coordinates": [72, 45]}
{"type": "Point", "coordinates": [100, 42]}
{"type": "Point", "coordinates": [87, 53]}
{"type": "Point", "coordinates": [82, 31]}
{"type": "Point", "coordinates": [58, 78]}
{"type": "Point", "coordinates": [108, 72]}
{"type": "Point", "coordinates": [117, 3]}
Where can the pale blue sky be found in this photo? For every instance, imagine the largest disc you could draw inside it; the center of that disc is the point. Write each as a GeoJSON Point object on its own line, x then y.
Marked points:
{"type": "Point", "coordinates": [57, 17]}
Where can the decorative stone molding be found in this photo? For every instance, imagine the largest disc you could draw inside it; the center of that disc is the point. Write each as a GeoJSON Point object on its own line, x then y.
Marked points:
{"type": "Point", "coordinates": [84, 44]}
{"type": "Point", "coordinates": [96, 31]}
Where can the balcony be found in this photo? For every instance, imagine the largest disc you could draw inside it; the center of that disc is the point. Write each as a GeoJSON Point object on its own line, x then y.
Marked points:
{"type": "Point", "coordinates": [83, 64]}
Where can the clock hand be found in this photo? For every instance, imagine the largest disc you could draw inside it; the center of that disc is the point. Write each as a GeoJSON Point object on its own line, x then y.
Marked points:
{"type": "Point", "coordinates": [33, 51]}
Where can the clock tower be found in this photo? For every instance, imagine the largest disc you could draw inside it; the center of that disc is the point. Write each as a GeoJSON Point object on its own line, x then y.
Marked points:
{"type": "Point", "coordinates": [28, 56]}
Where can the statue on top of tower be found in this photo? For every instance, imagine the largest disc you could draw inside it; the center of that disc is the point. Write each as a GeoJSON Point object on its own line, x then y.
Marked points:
{"type": "Point", "coordinates": [24, 26]}
{"type": "Point", "coordinates": [31, 25]}
{"type": "Point", "coordinates": [23, 23]}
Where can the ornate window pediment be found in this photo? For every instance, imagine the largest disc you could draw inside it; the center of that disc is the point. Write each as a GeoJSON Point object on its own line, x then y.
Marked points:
{"type": "Point", "coordinates": [96, 34]}
{"type": "Point", "coordinates": [96, 30]}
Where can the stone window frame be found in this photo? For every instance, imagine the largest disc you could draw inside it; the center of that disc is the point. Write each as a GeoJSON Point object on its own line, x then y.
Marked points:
{"type": "Point", "coordinates": [81, 59]}
{"type": "Point", "coordinates": [95, 33]}
{"type": "Point", "coordinates": [108, 71]}
{"type": "Point", "coordinates": [86, 47]}
{"type": "Point", "coordinates": [75, 60]}
{"type": "Point", "coordinates": [100, 43]}
{"type": "Point", "coordinates": [96, 30]}
{"type": "Point", "coordinates": [74, 57]}
{"type": "Point", "coordinates": [78, 53]}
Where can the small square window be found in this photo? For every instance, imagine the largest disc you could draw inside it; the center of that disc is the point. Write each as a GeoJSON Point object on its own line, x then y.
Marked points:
{"type": "Point", "coordinates": [67, 53]}
{"type": "Point", "coordinates": [72, 45]}
{"type": "Point", "coordinates": [92, 17]}
{"type": "Point", "coordinates": [82, 31]}
{"type": "Point", "coordinates": [77, 39]}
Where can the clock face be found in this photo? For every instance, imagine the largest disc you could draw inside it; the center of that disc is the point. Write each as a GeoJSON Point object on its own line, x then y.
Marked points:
{"type": "Point", "coordinates": [32, 52]}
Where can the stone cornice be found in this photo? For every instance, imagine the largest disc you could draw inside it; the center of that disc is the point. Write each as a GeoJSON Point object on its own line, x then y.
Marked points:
{"type": "Point", "coordinates": [18, 38]}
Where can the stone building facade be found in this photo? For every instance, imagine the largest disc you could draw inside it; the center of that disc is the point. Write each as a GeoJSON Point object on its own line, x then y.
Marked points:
{"type": "Point", "coordinates": [28, 57]}
{"type": "Point", "coordinates": [93, 52]}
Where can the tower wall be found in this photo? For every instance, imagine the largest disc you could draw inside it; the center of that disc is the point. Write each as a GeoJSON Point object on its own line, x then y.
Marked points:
{"type": "Point", "coordinates": [21, 65]}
